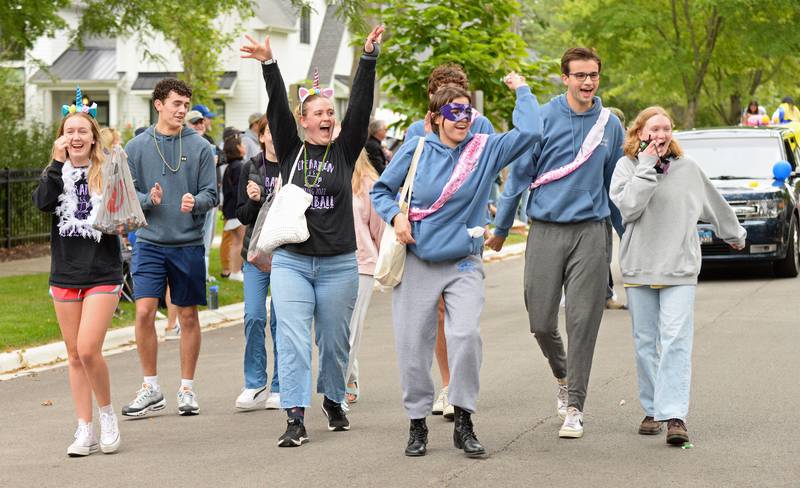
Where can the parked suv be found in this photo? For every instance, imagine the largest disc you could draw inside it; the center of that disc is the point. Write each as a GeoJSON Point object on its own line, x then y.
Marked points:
{"type": "Point", "coordinates": [740, 162]}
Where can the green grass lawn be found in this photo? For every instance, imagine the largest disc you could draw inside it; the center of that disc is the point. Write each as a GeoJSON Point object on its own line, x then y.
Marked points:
{"type": "Point", "coordinates": [27, 317]}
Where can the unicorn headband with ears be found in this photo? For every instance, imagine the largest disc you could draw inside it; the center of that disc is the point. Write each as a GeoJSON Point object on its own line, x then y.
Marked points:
{"type": "Point", "coordinates": [315, 90]}
{"type": "Point", "coordinates": [78, 106]}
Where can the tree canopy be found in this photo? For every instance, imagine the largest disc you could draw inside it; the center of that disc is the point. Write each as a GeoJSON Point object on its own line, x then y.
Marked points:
{"type": "Point", "coordinates": [703, 59]}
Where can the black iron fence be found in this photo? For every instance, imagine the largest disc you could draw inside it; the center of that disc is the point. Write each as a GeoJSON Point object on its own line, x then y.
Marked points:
{"type": "Point", "coordinates": [20, 221]}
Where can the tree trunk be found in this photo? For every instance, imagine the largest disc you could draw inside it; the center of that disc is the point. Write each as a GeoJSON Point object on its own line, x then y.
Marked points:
{"type": "Point", "coordinates": [735, 114]}
{"type": "Point", "coordinates": [691, 113]}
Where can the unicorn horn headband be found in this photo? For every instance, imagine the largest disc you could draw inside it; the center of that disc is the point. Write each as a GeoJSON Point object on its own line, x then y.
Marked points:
{"type": "Point", "coordinates": [315, 89]}
{"type": "Point", "coordinates": [78, 106]}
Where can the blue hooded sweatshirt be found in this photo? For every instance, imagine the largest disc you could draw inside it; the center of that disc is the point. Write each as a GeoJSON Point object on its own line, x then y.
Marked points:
{"type": "Point", "coordinates": [166, 225]}
{"type": "Point", "coordinates": [578, 197]}
{"type": "Point", "coordinates": [444, 234]}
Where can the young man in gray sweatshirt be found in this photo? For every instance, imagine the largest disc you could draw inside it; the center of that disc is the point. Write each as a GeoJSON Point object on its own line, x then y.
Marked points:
{"type": "Point", "coordinates": [174, 175]}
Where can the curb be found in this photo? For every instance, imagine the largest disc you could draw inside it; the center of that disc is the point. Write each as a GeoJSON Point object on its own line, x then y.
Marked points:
{"type": "Point", "coordinates": [27, 361]}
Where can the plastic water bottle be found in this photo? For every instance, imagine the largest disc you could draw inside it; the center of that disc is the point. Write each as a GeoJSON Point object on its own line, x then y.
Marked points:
{"type": "Point", "coordinates": [213, 297]}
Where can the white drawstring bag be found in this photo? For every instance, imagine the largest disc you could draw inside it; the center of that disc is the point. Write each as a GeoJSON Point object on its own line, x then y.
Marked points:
{"type": "Point", "coordinates": [286, 218]}
{"type": "Point", "coordinates": [392, 255]}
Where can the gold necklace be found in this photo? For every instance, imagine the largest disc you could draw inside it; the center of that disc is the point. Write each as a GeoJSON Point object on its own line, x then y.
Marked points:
{"type": "Point", "coordinates": [180, 150]}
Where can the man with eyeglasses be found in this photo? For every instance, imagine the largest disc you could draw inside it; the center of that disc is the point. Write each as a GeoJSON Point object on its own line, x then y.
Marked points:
{"type": "Point", "coordinates": [569, 242]}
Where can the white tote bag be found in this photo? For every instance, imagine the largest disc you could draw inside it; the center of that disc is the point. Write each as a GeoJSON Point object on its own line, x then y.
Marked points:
{"type": "Point", "coordinates": [392, 255]}
{"type": "Point", "coordinates": [286, 218]}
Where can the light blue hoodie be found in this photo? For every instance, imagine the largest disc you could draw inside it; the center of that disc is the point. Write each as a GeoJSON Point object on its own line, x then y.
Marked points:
{"type": "Point", "coordinates": [481, 125]}
{"type": "Point", "coordinates": [580, 196]}
{"type": "Point", "coordinates": [443, 235]}
{"type": "Point", "coordinates": [166, 224]}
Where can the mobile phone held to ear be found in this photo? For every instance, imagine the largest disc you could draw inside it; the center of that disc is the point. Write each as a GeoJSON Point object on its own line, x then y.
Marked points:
{"type": "Point", "coordinates": [643, 145]}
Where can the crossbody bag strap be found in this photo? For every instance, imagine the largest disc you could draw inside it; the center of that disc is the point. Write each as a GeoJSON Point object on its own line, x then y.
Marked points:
{"type": "Point", "coordinates": [408, 186]}
{"type": "Point", "coordinates": [291, 171]}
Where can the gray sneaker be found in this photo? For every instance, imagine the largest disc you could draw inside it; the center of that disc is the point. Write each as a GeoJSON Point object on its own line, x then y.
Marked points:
{"type": "Point", "coordinates": [147, 400]}
{"type": "Point", "coordinates": [173, 334]}
{"type": "Point", "coordinates": [187, 402]}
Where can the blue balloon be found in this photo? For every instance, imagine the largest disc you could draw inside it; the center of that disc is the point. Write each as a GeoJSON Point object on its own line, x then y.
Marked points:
{"type": "Point", "coordinates": [781, 170]}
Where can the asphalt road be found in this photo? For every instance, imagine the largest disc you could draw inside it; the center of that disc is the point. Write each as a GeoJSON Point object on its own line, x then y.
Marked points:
{"type": "Point", "coordinates": [742, 420]}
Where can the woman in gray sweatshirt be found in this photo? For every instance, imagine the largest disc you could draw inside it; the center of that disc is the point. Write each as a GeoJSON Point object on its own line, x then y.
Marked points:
{"type": "Point", "coordinates": [661, 194]}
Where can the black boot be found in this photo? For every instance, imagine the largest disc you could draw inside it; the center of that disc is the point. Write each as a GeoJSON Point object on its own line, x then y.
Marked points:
{"type": "Point", "coordinates": [417, 438]}
{"type": "Point", "coordinates": [463, 435]}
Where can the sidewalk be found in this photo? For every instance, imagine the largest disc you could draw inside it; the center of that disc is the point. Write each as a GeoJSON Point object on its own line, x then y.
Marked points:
{"type": "Point", "coordinates": [26, 361]}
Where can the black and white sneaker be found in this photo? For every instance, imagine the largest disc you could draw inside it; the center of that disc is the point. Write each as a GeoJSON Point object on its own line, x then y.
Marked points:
{"type": "Point", "coordinates": [337, 419]}
{"type": "Point", "coordinates": [147, 400]}
{"type": "Point", "coordinates": [295, 434]}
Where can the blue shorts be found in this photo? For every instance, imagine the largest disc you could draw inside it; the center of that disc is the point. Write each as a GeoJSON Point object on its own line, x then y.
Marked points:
{"type": "Point", "coordinates": [184, 268]}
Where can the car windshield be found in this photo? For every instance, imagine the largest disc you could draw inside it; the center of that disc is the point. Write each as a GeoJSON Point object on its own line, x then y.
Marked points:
{"type": "Point", "coordinates": [750, 157]}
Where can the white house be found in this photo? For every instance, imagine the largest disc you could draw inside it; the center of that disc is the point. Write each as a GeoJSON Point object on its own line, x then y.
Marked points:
{"type": "Point", "coordinates": [116, 74]}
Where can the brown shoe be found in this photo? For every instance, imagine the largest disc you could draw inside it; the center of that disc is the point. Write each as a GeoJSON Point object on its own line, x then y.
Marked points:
{"type": "Point", "coordinates": [649, 426]}
{"type": "Point", "coordinates": [676, 432]}
{"type": "Point", "coordinates": [612, 304]}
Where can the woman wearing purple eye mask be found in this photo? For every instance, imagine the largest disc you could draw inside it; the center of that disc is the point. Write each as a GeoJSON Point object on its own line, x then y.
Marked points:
{"type": "Point", "coordinates": [444, 233]}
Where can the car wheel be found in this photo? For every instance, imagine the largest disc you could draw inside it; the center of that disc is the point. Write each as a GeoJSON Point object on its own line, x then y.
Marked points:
{"type": "Point", "coordinates": [789, 266]}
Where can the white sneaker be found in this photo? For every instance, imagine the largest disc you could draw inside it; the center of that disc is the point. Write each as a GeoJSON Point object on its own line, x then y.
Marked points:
{"type": "Point", "coordinates": [173, 334]}
{"type": "Point", "coordinates": [187, 402]}
{"type": "Point", "coordinates": [251, 398]}
{"type": "Point", "coordinates": [573, 424]}
{"type": "Point", "coordinates": [449, 411]}
{"type": "Point", "coordinates": [85, 442]}
{"type": "Point", "coordinates": [109, 433]}
{"type": "Point", "coordinates": [562, 398]}
{"type": "Point", "coordinates": [273, 401]}
{"type": "Point", "coordinates": [237, 276]}
{"type": "Point", "coordinates": [441, 403]}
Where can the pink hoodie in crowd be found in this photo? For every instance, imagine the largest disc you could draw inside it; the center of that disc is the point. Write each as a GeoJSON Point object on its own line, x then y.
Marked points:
{"type": "Point", "coordinates": [369, 229]}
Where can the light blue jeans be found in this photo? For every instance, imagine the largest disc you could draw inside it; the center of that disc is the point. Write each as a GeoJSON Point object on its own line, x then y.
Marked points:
{"type": "Point", "coordinates": [318, 290]}
{"type": "Point", "coordinates": [663, 329]}
{"type": "Point", "coordinates": [256, 285]}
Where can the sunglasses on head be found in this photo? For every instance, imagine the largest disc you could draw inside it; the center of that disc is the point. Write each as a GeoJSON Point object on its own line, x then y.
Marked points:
{"type": "Point", "coordinates": [456, 111]}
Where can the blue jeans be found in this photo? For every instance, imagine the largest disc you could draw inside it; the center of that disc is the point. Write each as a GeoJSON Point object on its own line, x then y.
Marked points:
{"type": "Point", "coordinates": [663, 329]}
{"type": "Point", "coordinates": [318, 290]}
{"type": "Point", "coordinates": [256, 285]}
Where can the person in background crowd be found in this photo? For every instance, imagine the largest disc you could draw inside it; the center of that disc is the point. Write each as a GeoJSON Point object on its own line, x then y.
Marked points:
{"type": "Point", "coordinates": [233, 228]}
{"type": "Point", "coordinates": [378, 155]}
{"type": "Point", "coordinates": [250, 137]}
{"type": "Point", "coordinates": [85, 270]}
{"type": "Point", "coordinates": [198, 122]}
{"type": "Point", "coordinates": [754, 115]}
{"type": "Point", "coordinates": [173, 172]}
{"type": "Point", "coordinates": [369, 230]}
{"type": "Point", "coordinates": [661, 194]}
{"type": "Point", "coordinates": [316, 281]}
{"type": "Point", "coordinates": [110, 138]}
{"type": "Point", "coordinates": [259, 176]}
{"type": "Point", "coordinates": [786, 112]}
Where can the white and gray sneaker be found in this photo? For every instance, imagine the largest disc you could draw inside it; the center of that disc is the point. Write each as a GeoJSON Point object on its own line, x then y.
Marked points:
{"type": "Point", "coordinates": [273, 401]}
{"type": "Point", "coordinates": [109, 433]}
{"type": "Point", "coordinates": [252, 398]}
{"type": "Point", "coordinates": [173, 334]}
{"type": "Point", "coordinates": [573, 424]}
{"type": "Point", "coordinates": [441, 403]}
{"type": "Point", "coordinates": [147, 400]}
{"type": "Point", "coordinates": [85, 442]}
{"type": "Point", "coordinates": [562, 398]}
{"type": "Point", "coordinates": [187, 402]}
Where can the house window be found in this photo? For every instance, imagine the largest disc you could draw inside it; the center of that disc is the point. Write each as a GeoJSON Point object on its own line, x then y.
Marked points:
{"type": "Point", "coordinates": [305, 26]}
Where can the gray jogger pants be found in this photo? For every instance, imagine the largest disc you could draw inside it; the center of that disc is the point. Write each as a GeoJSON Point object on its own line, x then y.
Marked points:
{"type": "Point", "coordinates": [573, 256]}
{"type": "Point", "coordinates": [414, 311]}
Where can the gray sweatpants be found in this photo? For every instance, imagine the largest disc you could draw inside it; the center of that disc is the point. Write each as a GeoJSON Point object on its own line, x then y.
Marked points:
{"type": "Point", "coordinates": [573, 256]}
{"type": "Point", "coordinates": [414, 310]}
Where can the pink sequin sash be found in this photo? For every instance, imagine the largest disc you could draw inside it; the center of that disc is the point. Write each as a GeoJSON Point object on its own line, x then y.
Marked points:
{"type": "Point", "coordinates": [588, 146]}
{"type": "Point", "coordinates": [465, 166]}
